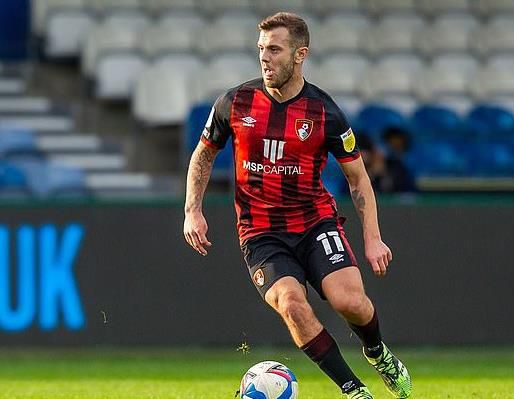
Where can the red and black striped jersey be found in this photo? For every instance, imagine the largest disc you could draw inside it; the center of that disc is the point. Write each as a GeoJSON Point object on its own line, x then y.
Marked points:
{"type": "Point", "coordinates": [280, 150]}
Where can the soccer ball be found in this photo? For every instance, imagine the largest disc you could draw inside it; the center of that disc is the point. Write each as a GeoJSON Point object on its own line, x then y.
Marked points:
{"type": "Point", "coordinates": [269, 380]}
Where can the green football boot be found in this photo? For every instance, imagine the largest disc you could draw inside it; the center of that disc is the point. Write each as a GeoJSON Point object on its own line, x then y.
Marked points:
{"type": "Point", "coordinates": [393, 372]}
{"type": "Point", "coordinates": [359, 393]}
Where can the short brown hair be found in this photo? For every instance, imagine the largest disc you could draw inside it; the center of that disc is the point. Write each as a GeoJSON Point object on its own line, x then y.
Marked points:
{"type": "Point", "coordinates": [295, 25]}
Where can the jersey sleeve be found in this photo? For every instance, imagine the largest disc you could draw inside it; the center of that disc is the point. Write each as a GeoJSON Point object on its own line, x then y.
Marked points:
{"type": "Point", "coordinates": [339, 137]}
{"type": "Point", "coordinates": [217, 128]}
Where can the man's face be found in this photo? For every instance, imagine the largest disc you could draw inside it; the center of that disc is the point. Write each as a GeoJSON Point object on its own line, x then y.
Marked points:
{"type": "Point", "coordinates": [276, 57]}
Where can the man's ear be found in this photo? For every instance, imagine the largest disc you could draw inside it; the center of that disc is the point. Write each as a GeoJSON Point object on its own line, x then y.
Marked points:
{"type": "Point", "coordinates": [301, 54]}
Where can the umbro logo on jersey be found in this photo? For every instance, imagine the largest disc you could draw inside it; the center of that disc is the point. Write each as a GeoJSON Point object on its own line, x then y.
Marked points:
{"type": "Point", "coordinates": [248, 121]}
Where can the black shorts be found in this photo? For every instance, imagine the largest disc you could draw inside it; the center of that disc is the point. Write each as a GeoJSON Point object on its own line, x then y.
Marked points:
{"type": "Point", "coordinates": [308, 256]}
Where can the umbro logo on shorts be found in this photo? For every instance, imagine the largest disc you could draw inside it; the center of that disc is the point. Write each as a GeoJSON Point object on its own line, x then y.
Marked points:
{"type": "Point", "coordinates": [336, 258]}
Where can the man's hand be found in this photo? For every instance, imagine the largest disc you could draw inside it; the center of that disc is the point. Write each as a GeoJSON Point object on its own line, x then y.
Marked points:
{"type": "Point", "coordinates": [378, 255]}
{"type": "Point", "coordinates": [195, 232]}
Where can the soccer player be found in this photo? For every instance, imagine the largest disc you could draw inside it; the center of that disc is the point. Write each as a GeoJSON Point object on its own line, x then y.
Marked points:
{"type": "Point", "coordinates": [282, 129]}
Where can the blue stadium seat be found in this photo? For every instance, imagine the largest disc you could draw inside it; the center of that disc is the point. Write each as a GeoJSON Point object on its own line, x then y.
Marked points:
{"type": "Point", "coordinates": [14, 142]}
{"type": "Point", "coordinates": [442, 158]}
{"type": "Point", "coordinates": [195, 122]}
{"type": "Point", "coordinates": [433, 122]}
{"type": "Point", "coordinates": [374, 119]}
{"type": "Point", "coordinates": [46, 179]}
{"type": "Point", "coordinates": [333, 178]}
{"type": "Point", "coordinates": [12, 181]}
{"type": "Point", "coordinates": [491, 121]}
{"type": "Point", "coordinates": [494, 158]}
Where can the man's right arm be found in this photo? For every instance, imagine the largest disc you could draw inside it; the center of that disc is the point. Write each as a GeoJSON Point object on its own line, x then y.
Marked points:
{"type": "Point", "coordinates": [198, 174]}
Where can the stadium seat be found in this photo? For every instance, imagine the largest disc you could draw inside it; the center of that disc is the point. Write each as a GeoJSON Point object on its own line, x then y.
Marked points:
{"type": "Point", "coordinates": [391, 76]}
{"type": "Point", "coordinates": [442, 82]}
{"type": "Point", "coordinates": [66, 30]}
{"type": "Point", "coordinates": [219, 7]}
{"type": "Point", "coordinates": [162, 94]}
{"type": "Point", "coordinates": [488, 8]}
{"type": "Point", "coordinates": [14, 142]}
{"type": "Point", "coordinates": [333, 178]}
{"type": "Point", "coordinates": [330, 7]}
{"type": "Point", "coordinates": [234, 32]}
{"type": "Point", "coordinates": [160, 7]}
{"type": "Point", "coordinates": [169, 37]}
{"type": "Point", "coordinates": [448, 34]}
{"type": "Point", "coordinates": [374, 119]}
{"type": "Point", "coordinates": [390, 38]}
{"type": "Point", "coordinates": [226, 71]}
{"type": "Point", "coordinates": [42, 8]}
{"type": "Point", "coordinates": [106, 39]}
{"type": "Point", "coordinates": [116, 73]}
{"type": "Point", "coordinates": [493, 38]}
{"type": "Point", "coordinates": [494, 158]}
{"type": "Point", "coordinates": [107, 6]}
{"type": "Point", "coordinates": [13, 181]}
{"type": "Point", "coordinates": [433, 8]}
{"type": "Point", "coordinates": [444, 158]}
{"type": "Point", "coordinates": [195, 123]}
{"type": "Point", "coordinates": [434, 122]}
{"type": "Point", "coordinates": [338, 33]}
{"type": "Point", "coordinates": [380, 7]}
{"type": "Point", "coordinates": [130, 19]}
{"type": "Point", "coordinates": [493, 81]}
{"type": "Point", "coordinates": [340, 75]}
{"type": "Point", "coordinates": [492, 122]}
{"type": "Point", "coordinates": [268, 7]}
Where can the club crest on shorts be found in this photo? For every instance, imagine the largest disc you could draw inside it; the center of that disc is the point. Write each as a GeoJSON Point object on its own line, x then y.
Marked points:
{"type": "Point", "coordinates": [348, 140]}
{"type": "Point", "coordinates": [258, 278]}
{"type": "Point", "coordinates": [303, 128]}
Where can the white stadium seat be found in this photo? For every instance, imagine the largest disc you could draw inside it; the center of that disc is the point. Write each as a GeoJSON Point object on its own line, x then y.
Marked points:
{"type": "Point", "coordinates": [448, 34]}
{"type": "Point", "coordinates": [392, 80]}
{"type": "Point", "coordinates": [340, 75]}
{"type": "Point", "coordinates": [465, 64]}
{"type": "Point", "coordinates": [41, 8]}
{"type": "Point", "coordinates": [437, 7]}
{"type": "Point", "coordinates": [190, 68]}
{"type": "Point", "coordinates": [493, 81]}
{"type": "Point", "coordinates": [116, 73]}
{"type": "Point", "coordinates": [393, 34]}
{"type": "Point", "coordinates": [338, 33]}
{"type": "Point", "coordinates": [158, 7]}
{"type": "Point", "coordinates": [234, 32]}
{"type": "Point", "coordinates": [442, 81]}
{"type": "Point", "coordinates": [161, 96]}
{"type": "Point", "coordinates": [106, 6]}
{"type": "Point", "coordinates": [218, 7]}
{"type": "Point", "coordinates": [267, 7]}
{"type": "Point", "coordinates": [165, 38]}
{"type": "Point", "coordinates": [106, 39]}
{"type": "Point", "coordinates": [493, 7]}
{"type": "Point", "coordinates": [331, 7]}
{"type": "Point", "coordinates": [379, 7]}
{"type": "Point", "coordinates": [66, 30]}
{"type": "Point", "coordinates": [494, 38]}
{"type": "Point", "coordinates": [135, 20]}
{"type": "Point", "coordinates": [226, 71]}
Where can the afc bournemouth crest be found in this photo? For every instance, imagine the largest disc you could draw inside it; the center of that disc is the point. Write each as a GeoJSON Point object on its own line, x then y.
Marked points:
{"type": "Point", "coordinates": [303, 128]}
{"type": "Point", "coordinates": [258, 278]}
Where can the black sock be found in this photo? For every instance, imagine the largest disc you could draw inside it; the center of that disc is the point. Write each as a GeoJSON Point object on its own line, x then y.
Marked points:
{"type": "Point", "coordinates": [323, 351]}
{"type": "Point", "coordinates": [370, 337]}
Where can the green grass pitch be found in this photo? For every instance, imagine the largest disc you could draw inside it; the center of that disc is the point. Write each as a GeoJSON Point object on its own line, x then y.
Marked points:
{"type": "Point", "coordinates": [447, 373]}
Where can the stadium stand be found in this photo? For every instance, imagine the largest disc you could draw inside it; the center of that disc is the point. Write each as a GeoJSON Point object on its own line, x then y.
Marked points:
{"type": "Point", "coordinates": [442, 70]}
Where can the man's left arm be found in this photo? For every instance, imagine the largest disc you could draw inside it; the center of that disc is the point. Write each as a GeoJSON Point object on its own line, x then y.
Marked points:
{"type": "Point", "coordinates": [377, 252]}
